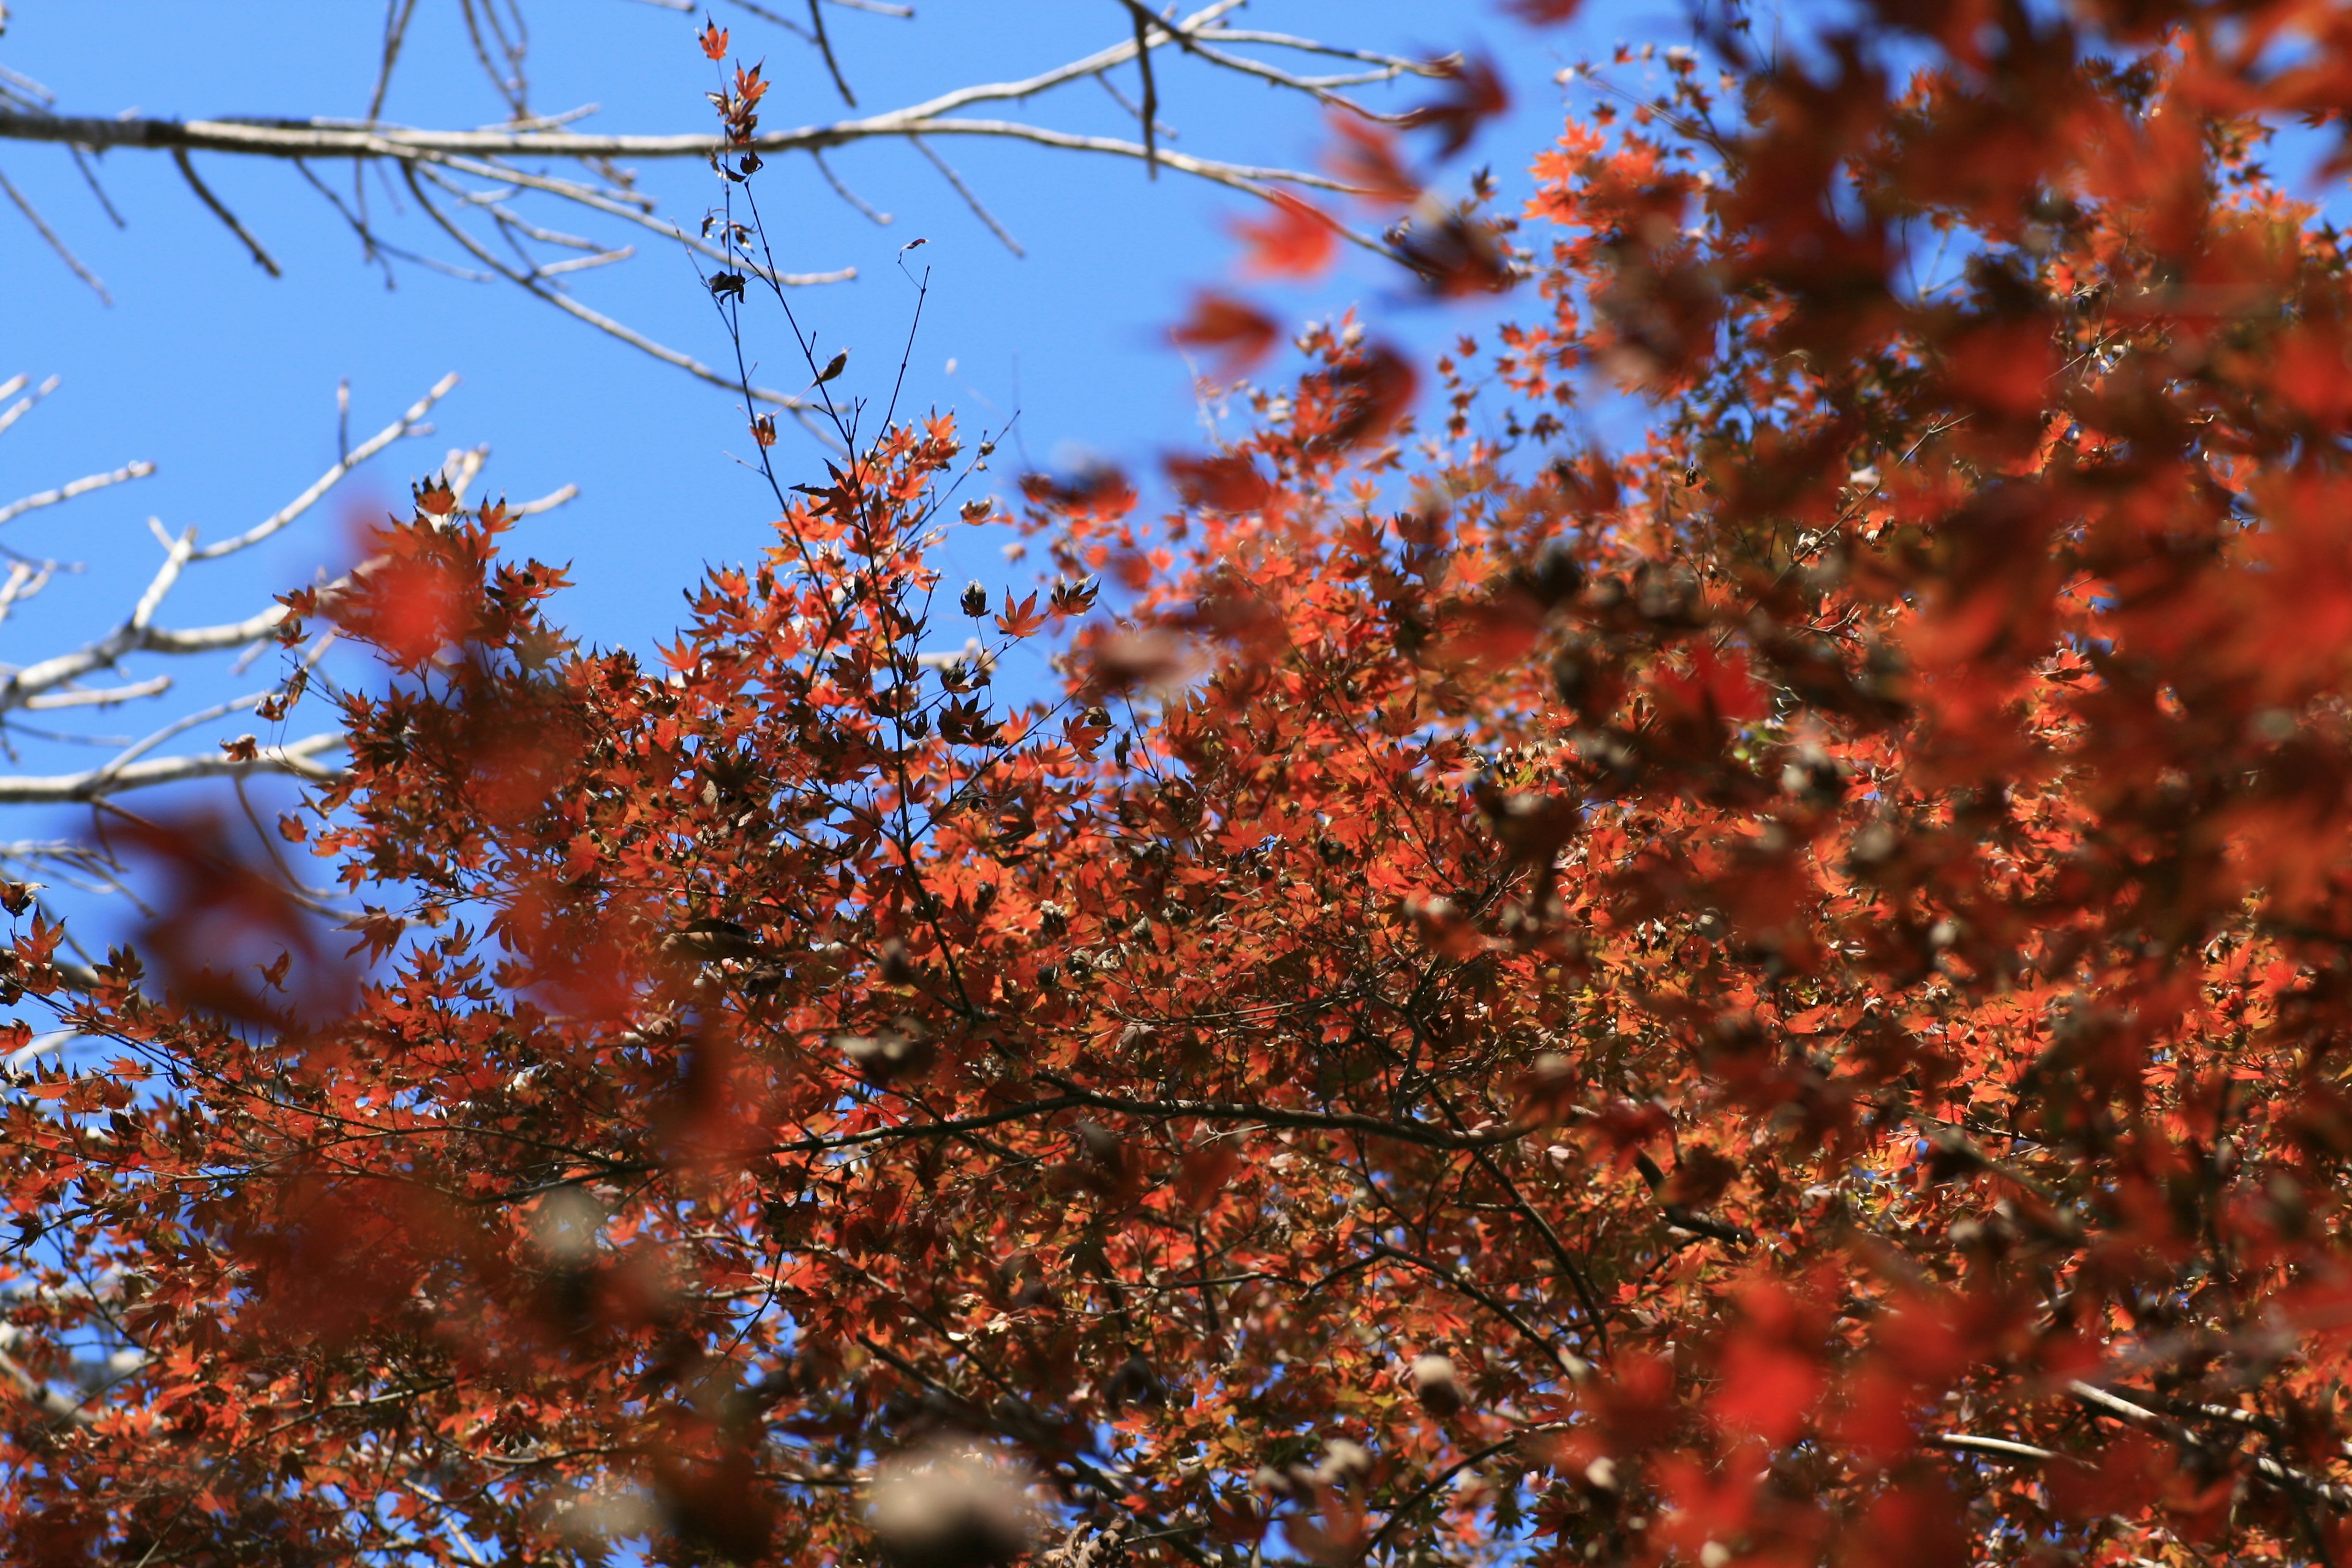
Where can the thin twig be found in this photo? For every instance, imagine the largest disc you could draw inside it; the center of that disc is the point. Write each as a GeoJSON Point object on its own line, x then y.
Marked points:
{"type": "Point", "coordinates": [1149, 114]}
{"type": "Point", "coordinates": [844, 193]}
{"type": "Point", "coordinates": [397, 13]}
{"type": "Point", "coordinates": [220, 210]}
{"type": "Point", "coordinates": [90, 178]}
{"type": "Point", "coordinates": [41, 227]}
{"type": "Point", "coordinates": [971, 201]}
{"type": "Point", "coordinates": [574, 307]}
{"type": "Point", "coordinates": [825, 47]}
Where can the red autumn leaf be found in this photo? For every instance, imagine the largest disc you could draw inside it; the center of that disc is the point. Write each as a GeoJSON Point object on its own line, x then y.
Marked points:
{"type": "Point", "coordinates": [1020, 620]}
{"type": "Point", "coordinates": [1295, 240]}
{"type": "Point", "coordinates": [1369, 392]}
{"type": "Point", "coordinates": [1237, 331]}
{"type": "Point", "coordinates": [713, 39]}
{"type": "Point", "coordinates": [1229, 481]}
{"type": "Point", "coordinates": [1365, 157]}
{"type": "Point", "coordinates": [1099, 492]}
{"type": "Point", "coordinates": [1474, 93]}
{"type": "Point", "coordinates": [1455, 256]}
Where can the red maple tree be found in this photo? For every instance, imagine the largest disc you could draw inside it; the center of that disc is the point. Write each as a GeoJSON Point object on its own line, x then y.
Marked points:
{"type": "Point", "coordinates": [1773, 996]}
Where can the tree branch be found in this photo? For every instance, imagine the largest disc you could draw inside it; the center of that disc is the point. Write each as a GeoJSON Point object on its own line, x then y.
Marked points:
{"type": "Point", "coordinates": [220, 210]}
{"type": "Point", "coordinates": [93, 784]}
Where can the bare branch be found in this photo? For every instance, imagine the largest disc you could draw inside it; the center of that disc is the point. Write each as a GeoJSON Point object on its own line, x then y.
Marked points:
{"type": "Point", "coordinates": [825, 47]}
{"type": "Point", "coordinates": [1967, 1443]}
{"type": "Point", "coordinates": [138, 469]}
{"type": "Point", "coordinates": [493, 153]}
{"type": "Point", "coordinates": [261, 257]}
{"type": "Point", "coordinates": [41, 227]}
{"type": "Point", "coordinates": [1148, 115]}
{"type": "Point", "coordinates": [970, 200]}
{"type": "Point", "coordinates": [409, 421]}
{"type": "Point", "coordinates": [547, 502]}
{"type": "Point", "coordinates": [332, 139]}
{"type": "Point", "coordinates": [109, 697]}
{"type": "Point", "coordinates": [297, 757]}
{"type": "Point", "coordinates": [17, 410]}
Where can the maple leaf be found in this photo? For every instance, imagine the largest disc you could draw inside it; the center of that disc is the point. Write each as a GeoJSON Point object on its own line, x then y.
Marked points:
{"type": "Point", "coordinates": [1020, 620]}
{"type": "Point", "coordinates": [1227, 482]}
{"type": "Point", "coordinates": [1474, 94]}
{"type": "Point", "coordinates": [1238, 331]}
{"type": "Point", "coordinates": [1365, 157]}
{"type": "Point", "coordinates": [1295, 241]}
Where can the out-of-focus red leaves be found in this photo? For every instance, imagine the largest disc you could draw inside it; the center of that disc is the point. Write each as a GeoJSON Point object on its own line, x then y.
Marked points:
{"type": "Point", "coordinates": [413, 599]}
{"type": "Point", "coordinates": [1455, 255]}
{"type": "Point", "coordinates": [1770, 1371]}
{"type": "Point", "coordinates": [1543, 13]}
{"type": "Point", "coordinates": [1915, 1524]}
{"type": "Point", "coordinates": [1238, 332]}
{"type": "Point", "coordinates": [1716, 688]}
{"type": "Point", "coordinates": [1365, 156]}
{"type": "Point", "coordinates": [227, 934]}
{"type": "Point", "coordinates": [1229, 481]}
{"type": "Point", "coordinates": [1295, 240]}
{"type": "Point", "coordinates": [720, 1502]}
{"type": "Point", "coordinates": [2124, 1476]}
{"type": "Point", "coordinates": [332, 1262]}
{"type": "Point", "coordinates": [1204, 1173]}
{"type": "Point", "coordinates": [1474, 93]}
{"type": "Point", "coordinates": [1365, 395]}
{"type": "Point", "coordinates": [1098, 493]}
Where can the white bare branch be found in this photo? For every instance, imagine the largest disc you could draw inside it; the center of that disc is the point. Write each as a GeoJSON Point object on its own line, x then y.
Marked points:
{"type": "Point", "coordinates": [81, 487]}
{"type": "Point", "coordinates": [410, 422]}
{"type": "Point", "coordinates": [104, 697]}
{"type": "Point", "coordinates": [298, 758]}
{"type": "Point", "coordinates": [494, 155]}
{"type": "Point", "coordinates": [55, 684]}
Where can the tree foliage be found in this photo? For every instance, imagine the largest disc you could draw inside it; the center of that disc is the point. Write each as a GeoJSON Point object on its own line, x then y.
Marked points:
{"type": "Point", "coordinates": [1776, 995]}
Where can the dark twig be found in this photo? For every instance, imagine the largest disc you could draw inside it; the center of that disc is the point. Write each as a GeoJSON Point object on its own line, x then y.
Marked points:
{"type": "Point", "coordinates": [825, 47]}
{"type": "Point", "coordinates": [90, 178]}
{"type": "Point", "coordinates": [203, 193]}
{"type": "Point", "coordinates": [1150, 112]}
{"type": "Point", "coordinates": [41, 227]}
{"type": "Point", "coordinates": [845, 194]}
{"type": "Point", "coordinates": [397, 13]}
{"type": "Point", "coordinates": [970, 200]}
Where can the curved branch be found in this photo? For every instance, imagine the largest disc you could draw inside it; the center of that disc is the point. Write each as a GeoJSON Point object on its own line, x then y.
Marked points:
{"type": "Point", "coordinates": [53, 789]}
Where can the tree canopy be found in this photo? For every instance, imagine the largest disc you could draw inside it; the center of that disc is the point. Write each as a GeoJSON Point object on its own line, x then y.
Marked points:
{"type": "Point", "coordinates": [1775, 993]}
